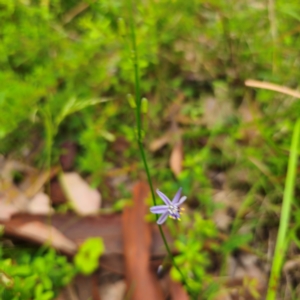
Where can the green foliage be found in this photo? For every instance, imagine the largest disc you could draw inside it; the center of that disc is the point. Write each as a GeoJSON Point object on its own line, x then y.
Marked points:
{"type": "Point", "coordinates": [87, 258]}
{"type": "Point", "coordinates": [29, 275]}
{"type": "Point", "coordinates": [236, 241]}
{"type": "Point", "coordinates": [94, 140]}
{"type": "Point", "coordinates": [194, 259]}
{"type": "Point", "coordinates": [56, 66]}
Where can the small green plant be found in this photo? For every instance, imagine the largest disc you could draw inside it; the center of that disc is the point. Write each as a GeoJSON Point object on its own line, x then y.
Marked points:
{"type": "Point", "coordinates": [39, 275]}
{"type": "Point", "coordinates": [87, 258]}
{"type": "Point", "coordinates": [33, 275]}
{"type": "Point", "coordinates": [194, 259]}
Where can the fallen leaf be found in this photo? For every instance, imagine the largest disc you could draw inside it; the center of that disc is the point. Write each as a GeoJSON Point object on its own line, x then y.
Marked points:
{"type": "Point", "coordinates": [12, 200]}
{"type": "Point", "coordinates": [176, 158]}
{"type": "Point", "coordinates": [85, 200]}
{"type": "Point", "coordinates": [113, 291]}
{"type": "Point", "coordinates": [42, 233]}
{"type": "Point", "coordinates": [141, 283]}
{"type": "Point", "coordinates": [78, 229]}
{"type": "Point", "coordinates": [40, 205]}
{"type": "Point", "coordinates": [7, 210]}
{"type": "Point", "coordinates": [160, 142]}
{"type": "Point", "coordinates": [177, 291]}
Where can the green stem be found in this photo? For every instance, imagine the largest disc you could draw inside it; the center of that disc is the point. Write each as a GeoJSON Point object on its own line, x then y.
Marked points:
{"type": "Point", "coordinates": [139, 136]}
{"type": "Point", "coordinates": [154, 201]}
{"type": "Point", "coordinates": [288, 196]}
{"type": "Point", "coordinates": [136, 79]}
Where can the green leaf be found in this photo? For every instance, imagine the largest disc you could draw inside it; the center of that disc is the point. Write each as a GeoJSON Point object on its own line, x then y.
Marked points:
{"type": "Point", "coordinates": [175, 275]}
{"type": "Point", "coordinates": [87, 258]}
{"type": "Point", "coordinates": [235, 241]}
{"type": "Point", "coordinates": [73, 105]}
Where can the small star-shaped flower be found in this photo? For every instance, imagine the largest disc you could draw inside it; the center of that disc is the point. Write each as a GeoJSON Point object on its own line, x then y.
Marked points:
{"type": "Point", "coordinates": [171, 209]}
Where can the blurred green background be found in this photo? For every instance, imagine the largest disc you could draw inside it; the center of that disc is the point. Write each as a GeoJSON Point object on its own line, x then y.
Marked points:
{"type": "Point", "coordinates": [66, 72]}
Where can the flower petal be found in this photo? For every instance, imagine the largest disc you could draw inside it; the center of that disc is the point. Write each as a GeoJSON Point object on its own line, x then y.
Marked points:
{"type": "Point", "coordinates": [182, 199]}
{"type": "Point", "coordinates": [177, 216]}
{"type": "Point", "coordinates": [159, 209]}
{"type": "Point", "coordinates": [163, 218]}
{"type": "Point", "coordinates": [177, 196]}
{"type": "Point", "coordinates": [163, 197]}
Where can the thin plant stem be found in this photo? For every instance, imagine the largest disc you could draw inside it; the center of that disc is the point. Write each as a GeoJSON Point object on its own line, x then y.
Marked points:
{"type": "Point", "coordinates": [49, 130]}
{"type": "Point", "coordinates": [139, 135]}
{"type": "Point", "coordinates": [273, 30]}
{"type": "Point", "coordinates": [288, 196]}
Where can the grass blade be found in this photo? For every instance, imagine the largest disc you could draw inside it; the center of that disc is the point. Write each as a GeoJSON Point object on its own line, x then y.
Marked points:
{"type": "Point", "coordinates": [285, 215]}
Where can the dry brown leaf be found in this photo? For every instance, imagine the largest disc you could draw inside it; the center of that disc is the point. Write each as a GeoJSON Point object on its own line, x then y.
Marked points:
{"type": "Point", "coordinates": [113, 291]}
{"type": "Point", "coordinates": [177, 291]}
{"type": "Point", "coordinates": [15, 199]}
{"type": "Point", "coordinates": [85, 200]}
{"type": "Point", "coordinates": [160, 142]}
{"type": "Point", "coordinates": [12, 200]}
{"type": "Point", "coordinates": [141, 283]}
{"type": "Point", "coordinates": [42, 233]}
{"type": "Point", "coordinates": [33, 181]}
{"type": "Point", "coordinates": [78, 229]}
{"type": "Point", "coordinates": [40, 205]}
{"type": "Point", "coordinates": [176, 158]}
{"type": "Point", "coordinates": [7, 210]}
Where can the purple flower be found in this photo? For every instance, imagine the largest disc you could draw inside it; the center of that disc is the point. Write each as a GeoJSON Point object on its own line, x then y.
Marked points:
{"type": "Point", "coordinates": [171, 209]}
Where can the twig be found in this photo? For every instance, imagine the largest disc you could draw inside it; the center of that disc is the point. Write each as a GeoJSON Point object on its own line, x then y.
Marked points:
{"type": "Point", "coordinates": [272, 87]}
{"type": "Point", "coordinates": [72, 13]}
